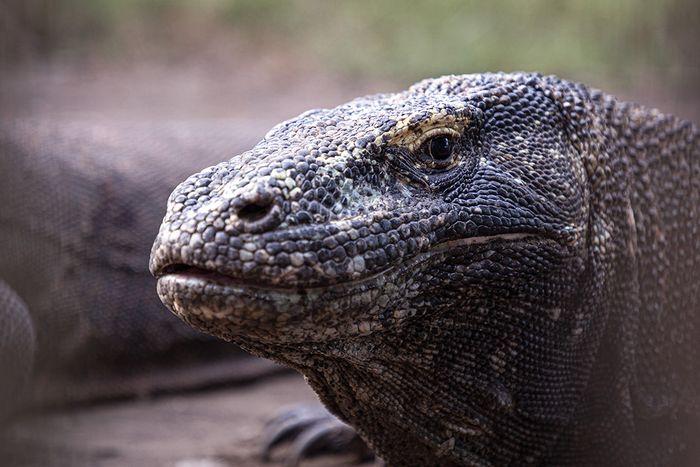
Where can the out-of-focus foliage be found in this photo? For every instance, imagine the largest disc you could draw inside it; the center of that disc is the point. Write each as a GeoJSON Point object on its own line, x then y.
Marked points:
{"type": "Point", "coordinates": [424, 37]}
{"type": "Point", "coordinates": [616, 40]}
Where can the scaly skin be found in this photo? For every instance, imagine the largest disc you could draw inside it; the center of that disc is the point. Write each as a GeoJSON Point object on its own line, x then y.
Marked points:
{"type": "Point", "coordinates": [531, 297]}
{"type": "Point", "coordinates": [81, 202]}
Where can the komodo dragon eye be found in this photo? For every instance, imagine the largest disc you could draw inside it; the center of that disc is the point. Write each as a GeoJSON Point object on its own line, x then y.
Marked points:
{"type": "Point", "coordinates": [438, 152]}
{"type": "Point", "coordinates": [440, 148]}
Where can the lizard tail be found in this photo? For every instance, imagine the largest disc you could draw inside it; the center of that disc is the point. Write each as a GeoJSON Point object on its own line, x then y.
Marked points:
{"type": "Point", "coordinates": [17, 347]}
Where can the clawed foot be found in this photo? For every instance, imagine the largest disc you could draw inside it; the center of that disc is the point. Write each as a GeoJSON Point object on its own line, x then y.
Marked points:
{"type": "Point", "coordinates": [312, 431]}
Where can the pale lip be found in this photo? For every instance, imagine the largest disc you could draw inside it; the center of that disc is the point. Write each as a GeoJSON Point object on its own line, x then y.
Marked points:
{"type": "Point", "coordinates": [186, 272]}
{"type": "Point", "coordinates": [232, 309]}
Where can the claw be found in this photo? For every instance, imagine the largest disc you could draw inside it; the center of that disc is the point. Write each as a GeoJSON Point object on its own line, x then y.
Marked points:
{"type": "Point", "coordinates": [290, 422]}
{"type": "Point", "coordinates": [314, 431]}
{"type": "Point", "coordinates": [325, 436]}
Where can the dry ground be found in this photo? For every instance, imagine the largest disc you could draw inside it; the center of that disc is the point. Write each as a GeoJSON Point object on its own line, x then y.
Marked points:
{"type": "Point", "coordinates": [217, 428]}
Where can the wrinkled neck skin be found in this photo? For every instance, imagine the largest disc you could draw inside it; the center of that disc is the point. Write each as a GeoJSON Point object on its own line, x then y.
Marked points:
{"type": "Point", "coordinates": [456, 376]}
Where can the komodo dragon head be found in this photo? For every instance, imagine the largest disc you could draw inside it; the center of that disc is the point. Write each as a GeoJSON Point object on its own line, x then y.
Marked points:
{"type": "Point", "coordinates": [426, 259]}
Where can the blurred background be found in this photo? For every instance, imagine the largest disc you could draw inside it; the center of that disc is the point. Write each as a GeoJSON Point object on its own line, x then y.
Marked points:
{"type": "Point", "coordinates": [125, 98]}
{"type": "Point", "coordinates": [272, 59]}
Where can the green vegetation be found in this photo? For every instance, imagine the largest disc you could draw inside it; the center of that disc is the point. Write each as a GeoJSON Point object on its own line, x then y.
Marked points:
{"type": "Point", "coordinates": [616, 40]}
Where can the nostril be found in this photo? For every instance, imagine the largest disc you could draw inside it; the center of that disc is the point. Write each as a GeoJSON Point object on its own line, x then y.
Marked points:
{"type": "Point", "coordinates": [254, 211]}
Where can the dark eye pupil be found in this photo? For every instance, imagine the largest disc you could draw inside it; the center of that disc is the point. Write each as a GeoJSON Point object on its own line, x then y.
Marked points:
{"type": "Point", "coordinates": [441, 148]}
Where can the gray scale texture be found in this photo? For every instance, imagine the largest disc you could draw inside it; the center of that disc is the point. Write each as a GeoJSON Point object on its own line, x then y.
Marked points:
{"type": "Point", "coordinates": [532, 298]}
{"type": "Point", "coordinates": [81, 202]}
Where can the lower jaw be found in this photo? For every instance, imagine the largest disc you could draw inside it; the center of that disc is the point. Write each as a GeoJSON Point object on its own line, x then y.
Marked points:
{"type": "Point", "coordinates": [281, 316]}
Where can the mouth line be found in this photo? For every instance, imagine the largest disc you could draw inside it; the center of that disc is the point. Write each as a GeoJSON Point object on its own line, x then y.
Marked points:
{"type": "Point", "coordinates": [187, 272]}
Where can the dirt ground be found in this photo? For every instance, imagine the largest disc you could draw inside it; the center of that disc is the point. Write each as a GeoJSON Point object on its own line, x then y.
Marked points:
{"type": "Point", "coordinates": [217, 428]}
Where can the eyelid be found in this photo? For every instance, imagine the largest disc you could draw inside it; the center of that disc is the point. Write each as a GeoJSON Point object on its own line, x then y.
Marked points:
{"type": "Point", "coordinates": [432, 133]}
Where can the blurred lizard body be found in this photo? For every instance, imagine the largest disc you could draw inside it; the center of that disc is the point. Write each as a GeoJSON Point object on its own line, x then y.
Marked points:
{"type": "Point", "coordinates": [78, 317]}
{"type": "Point", "coordinates": [483, 269]}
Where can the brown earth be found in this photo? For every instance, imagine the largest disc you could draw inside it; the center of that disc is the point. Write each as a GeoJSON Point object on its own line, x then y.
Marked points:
{"type": "Point", "coordinates": [218, 428]}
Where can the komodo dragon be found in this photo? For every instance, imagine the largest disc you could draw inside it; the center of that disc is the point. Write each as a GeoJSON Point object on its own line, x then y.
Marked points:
{"type": "Point", "coordinates": [485, 269]}
{"type": "Point", "coordinates": [81, 202]}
